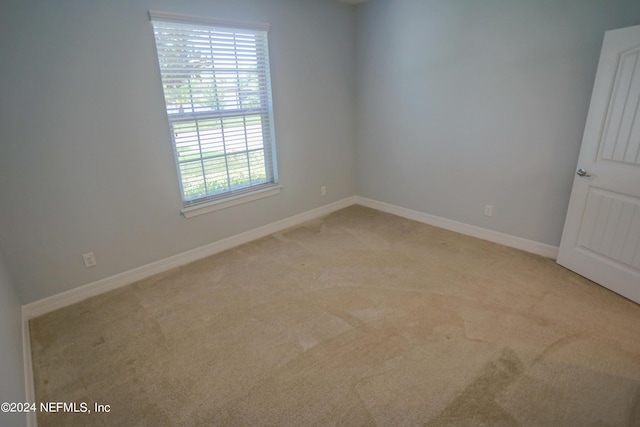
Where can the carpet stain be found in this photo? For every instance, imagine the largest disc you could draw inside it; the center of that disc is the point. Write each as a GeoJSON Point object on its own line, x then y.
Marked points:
{"type": "Point", "coordinates": [477, 403]}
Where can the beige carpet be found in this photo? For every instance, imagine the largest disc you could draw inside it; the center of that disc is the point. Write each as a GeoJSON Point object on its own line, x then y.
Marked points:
{"type": "Point", "coordinates": [360, 318]}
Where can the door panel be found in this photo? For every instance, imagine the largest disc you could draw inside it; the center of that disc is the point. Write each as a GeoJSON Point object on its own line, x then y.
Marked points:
{"type": "Point", "coordinates": [601, 237]}
{"type": "Point", "coordinates": [621, 138]}
{"type": "Point", "coordinates": [611, 227]}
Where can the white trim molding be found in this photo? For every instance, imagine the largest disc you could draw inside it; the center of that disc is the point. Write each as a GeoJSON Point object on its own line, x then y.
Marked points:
{"type": "Point", "coordinates": [527, 245]}
{"type": "Point", "coordinates": [54, 302]}
{"type": "Point", "coordinates": [72, 296]}
{"type": "Point", "coordinates": [227, 202]}
{"type": "Point", "coordinates": [157, 15]}
{"type": "Point", "coordinates": [29, 386]}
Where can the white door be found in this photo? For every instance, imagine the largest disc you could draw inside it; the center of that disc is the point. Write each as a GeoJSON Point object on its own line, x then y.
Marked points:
{"type": "Point", "coordinates": [601, 237]}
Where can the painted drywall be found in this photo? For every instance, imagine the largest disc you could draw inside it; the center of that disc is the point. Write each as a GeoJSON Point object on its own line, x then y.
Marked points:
{"type": "Point", "coordinates": [464, 103]}
{"type": "Point", "coordinates": [447, 106]}
{"type": "Point", "coordinates": [11, 366]}
{"type": "Point", "coordinates": [86, 160]}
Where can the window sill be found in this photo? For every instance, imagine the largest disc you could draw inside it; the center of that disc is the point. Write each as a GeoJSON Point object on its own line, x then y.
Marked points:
{"type": "Point", "coordinates": [227, 202]}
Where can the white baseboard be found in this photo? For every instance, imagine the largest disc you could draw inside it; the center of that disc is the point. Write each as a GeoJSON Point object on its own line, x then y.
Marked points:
{"type": "Point", "coordinates": [532, 246]}
{"type": "Point", "coordinates": [54, 302]}
{"type": "Point", "coordinates": [30, 392]}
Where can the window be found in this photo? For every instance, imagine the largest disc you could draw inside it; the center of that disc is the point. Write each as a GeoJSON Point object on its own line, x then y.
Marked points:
{"type": "Point", "coordinates": [218, 99]}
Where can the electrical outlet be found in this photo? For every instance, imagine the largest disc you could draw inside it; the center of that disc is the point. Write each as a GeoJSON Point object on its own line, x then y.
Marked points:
{"type": "Point", "coordinates": [488, 210]}
{"type": "Point", "coordinates": [89, 259]}
{"type": "Point", "coordinates": [323, 191]}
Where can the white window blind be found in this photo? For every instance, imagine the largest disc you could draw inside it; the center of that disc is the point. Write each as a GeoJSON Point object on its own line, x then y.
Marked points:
{"type": "Point", "coordinates": [218, 98]}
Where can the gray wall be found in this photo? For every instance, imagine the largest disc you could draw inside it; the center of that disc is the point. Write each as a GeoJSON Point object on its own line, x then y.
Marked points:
{"type": "Point", "coordinates": [11, 367]}
{"type": "Point", "coordinates": [86, 160]}
{"type": "Point", "coordinates": [463, 103]}
{"type": "Point", "coordinates": [441, 106]}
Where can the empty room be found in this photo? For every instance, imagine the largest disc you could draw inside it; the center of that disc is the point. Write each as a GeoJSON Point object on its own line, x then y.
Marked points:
{"type": "Point", "coordinates": [320, 212]}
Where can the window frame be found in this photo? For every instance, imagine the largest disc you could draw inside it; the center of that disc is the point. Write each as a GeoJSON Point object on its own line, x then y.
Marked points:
{"type": "Point", "coordinates": [194, 206]}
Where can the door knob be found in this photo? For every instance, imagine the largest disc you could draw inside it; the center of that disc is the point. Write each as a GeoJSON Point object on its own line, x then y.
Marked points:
{"type": "Point", "coordinates": [583, 172]}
